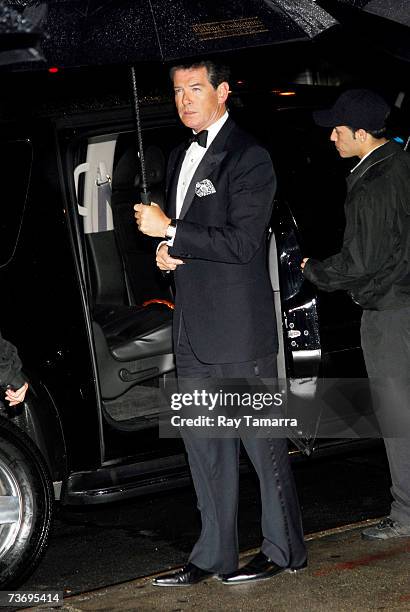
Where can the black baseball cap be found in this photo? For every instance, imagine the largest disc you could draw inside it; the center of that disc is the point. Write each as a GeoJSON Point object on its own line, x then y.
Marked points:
{"type": "Point", "coordinates": [357, 108]}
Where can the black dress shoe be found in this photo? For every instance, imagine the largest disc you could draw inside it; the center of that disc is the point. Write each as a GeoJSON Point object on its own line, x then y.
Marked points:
{"type": "Point", "coordinates": [258, 568]}
{"type": "Point", "coordinates": [187, 575]}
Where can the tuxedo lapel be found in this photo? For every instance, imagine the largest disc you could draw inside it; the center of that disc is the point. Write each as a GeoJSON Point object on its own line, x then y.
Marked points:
{"type": "Point", "coordinates": [212, 158]}
{"type": "Point", "coordinates": [173, 175]}
{"type": "Point", "coordinates": [208, 163]}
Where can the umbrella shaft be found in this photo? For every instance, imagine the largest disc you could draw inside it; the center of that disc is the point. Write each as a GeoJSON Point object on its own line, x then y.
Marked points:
{"type": "Point", "coordinates": [145, 196]}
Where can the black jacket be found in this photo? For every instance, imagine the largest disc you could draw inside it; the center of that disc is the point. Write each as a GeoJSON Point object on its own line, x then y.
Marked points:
{"type": "Point", "coordinates": [374, 263]}
{"type": "Point", "coordinates": [223, 289]}
{"type": "Point", "coordinates": [10, 365]}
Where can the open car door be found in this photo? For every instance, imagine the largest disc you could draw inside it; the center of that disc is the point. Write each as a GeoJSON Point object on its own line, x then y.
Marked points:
{"type": "Point", "coordinates": [296, 307]}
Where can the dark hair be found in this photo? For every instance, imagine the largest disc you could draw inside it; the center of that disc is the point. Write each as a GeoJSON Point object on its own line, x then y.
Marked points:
{"type": "Point", "coordinates": [381, 133]}
{"type": "Point", "coordinates": [217, 73]}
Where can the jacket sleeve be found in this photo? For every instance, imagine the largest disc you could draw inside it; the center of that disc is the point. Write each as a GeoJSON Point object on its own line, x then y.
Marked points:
{"type": "Point", "coordinates": [252, 188]}
{"type": "Point", "coordinates": [10, 365]}
{"type": "Point", "coordinates": [364, 249]}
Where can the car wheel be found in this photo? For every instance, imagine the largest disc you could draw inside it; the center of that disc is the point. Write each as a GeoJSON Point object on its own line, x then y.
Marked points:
{"type": "Point", "coordinates": [26, 505]}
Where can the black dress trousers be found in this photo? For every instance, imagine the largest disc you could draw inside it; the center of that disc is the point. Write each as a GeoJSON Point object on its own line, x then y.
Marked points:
{"type": "Point", "coordinates": [386, 347]}
{"type": "Point", "coordinates": [214, 464]}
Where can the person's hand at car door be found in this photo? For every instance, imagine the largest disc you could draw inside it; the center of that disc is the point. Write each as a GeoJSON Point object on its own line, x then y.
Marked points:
{"type": "Point", "coordinates": [304, 261]}
{"type": "Point", "coordinates": [17, 396]}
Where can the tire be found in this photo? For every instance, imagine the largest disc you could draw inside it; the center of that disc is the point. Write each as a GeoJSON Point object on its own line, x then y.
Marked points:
{"type": "Point", "coordinates": [26, 505]}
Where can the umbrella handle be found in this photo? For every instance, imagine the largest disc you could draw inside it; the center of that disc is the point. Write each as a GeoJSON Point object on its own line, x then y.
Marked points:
{"type": "Point", "coordinates": [146, 198]}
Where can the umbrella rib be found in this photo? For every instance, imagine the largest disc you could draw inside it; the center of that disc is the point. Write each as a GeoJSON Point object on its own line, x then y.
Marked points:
{"type": "Point", "coordinates": [156, 29]}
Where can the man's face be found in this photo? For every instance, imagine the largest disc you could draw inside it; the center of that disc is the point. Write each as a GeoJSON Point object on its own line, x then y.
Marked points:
{"type": "Point", "coordinates": [345, 142]}
{"type": "Point", "coordinates": [198, 103]}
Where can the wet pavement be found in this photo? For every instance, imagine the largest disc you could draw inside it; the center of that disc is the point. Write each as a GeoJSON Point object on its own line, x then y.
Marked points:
{"type": "Point", "coordinates": [345, 574]}
{"type": "Point", "coordinates": [100, 546]}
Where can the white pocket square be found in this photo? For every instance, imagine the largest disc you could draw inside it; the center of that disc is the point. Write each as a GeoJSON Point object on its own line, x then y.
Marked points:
{"type": "Point", "coordinates": [204, 188]}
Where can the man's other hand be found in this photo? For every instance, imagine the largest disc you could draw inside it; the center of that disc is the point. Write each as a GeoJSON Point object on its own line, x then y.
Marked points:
{"type": "Point", "coordinates": [16, 397]}
{"type": "Point", "coordinates": [303, 264]}
{"type": "Point", "coordinates": [165, 261]}
{"type": "Point", "coordinates": [151, 220]}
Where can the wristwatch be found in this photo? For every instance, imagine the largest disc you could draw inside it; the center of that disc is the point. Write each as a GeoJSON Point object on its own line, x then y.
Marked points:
{"type": "Point", "coordinates": [171, 229]}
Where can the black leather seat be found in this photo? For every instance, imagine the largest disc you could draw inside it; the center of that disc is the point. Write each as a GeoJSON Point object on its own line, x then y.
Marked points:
{"type": "Point", "coordinates": [134, 332]}
{"type": "Point", "coordinates": [133, 345]}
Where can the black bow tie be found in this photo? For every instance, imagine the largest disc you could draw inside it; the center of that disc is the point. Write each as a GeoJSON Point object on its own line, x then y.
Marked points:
{"type": "Point", "coordinates": [201, 138]}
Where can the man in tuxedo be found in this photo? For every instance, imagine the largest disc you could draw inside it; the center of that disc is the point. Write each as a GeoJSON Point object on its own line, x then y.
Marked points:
{"type": "Point", "coordinates": [220, 190]}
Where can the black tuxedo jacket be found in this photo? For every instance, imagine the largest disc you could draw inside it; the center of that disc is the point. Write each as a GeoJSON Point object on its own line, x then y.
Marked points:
{"type": "Point", "coordinates": [223, 289]}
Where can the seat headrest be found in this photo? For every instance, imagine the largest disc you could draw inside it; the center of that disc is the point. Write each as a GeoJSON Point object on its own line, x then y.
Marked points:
{"type": "Point", "coordinates": [127, 172]}
{"type": "Point", "coordinates": [155, 165]}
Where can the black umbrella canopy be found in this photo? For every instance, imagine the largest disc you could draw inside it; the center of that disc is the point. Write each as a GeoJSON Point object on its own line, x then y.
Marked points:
{"type": "Point", "coordinates": [386, 23]}
{"type": "Point", "coordinates": [394, 10]}
{"type": "Point", "coordinates": [101, 32]}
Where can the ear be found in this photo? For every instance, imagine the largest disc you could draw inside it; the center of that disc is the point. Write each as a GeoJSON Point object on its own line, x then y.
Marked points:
{"type": "Point", "coordinates": [361, 135]}
{"type": "Point", "coordinates": [223, 91]}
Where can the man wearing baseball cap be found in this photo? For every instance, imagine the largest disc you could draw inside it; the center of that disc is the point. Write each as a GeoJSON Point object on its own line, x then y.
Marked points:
{"type": "Point", "coordinates": [374, 267]}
